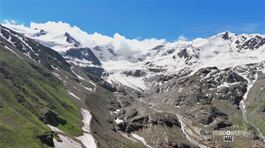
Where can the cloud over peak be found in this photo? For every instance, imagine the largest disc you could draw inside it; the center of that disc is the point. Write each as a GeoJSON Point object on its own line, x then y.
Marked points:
{"type": "Point", "coordinates": [56, 30]}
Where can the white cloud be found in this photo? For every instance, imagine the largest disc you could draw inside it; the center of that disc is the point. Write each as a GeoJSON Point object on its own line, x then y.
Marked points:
{"type": "Point", "coordinates": [182, 38]}
{"type": "Point", "coordinates": [21, 28]}
{"type": "Point", "coordinates": [121, 44]}
{"type": "Point", "coordinates": [56, 30]}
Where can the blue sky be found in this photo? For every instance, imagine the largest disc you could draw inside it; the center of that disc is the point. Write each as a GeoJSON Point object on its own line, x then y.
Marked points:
{"type": "Point", "coordinates": [144, 18]}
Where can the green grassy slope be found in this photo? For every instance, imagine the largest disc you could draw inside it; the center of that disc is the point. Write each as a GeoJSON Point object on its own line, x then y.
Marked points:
{"type": "Point", "coordinates": [27, 91]}
{"type": "Point", "coordinates": [255, 104]}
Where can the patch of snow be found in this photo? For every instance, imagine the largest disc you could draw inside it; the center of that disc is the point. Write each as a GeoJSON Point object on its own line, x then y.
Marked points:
{"type": "Point", "coordinates": [66, 142]}
{"type": "Point", "coordinates": [87, 117]}
{"type": "Point", "coordinates": [92, 83]}
{"type": "Point", "coordinates": [57, 75]}
{"type": "Point", "coordinates": [72, 94]}
{"type": "Point", "coordinates": [117, 111]}
{"type": "Point", "coordinates": [79, 62]}
{"type": "Point", "coordinates": [225, 84]}
{"type": "Point", "coordinates": [118, 121]}
{"type": "Point", "coordinates": [89, 89]}
{"type": "Point", "coordinates": [157, 110]}
{"type": "Point", "coordinates": [78, 76]}
{"type": "Point", "coordinates": [55, 68]}
{"type": "Point", "coordinates": [129, 81]}
{"type": "Point", "coordinates": [53, 128]}
{"type": "Point", "coordinates": [184, 131]}
{"type": "Point", "coordinates": [137, 137]}
{"type": "Point", "coordinates": [87, 138]}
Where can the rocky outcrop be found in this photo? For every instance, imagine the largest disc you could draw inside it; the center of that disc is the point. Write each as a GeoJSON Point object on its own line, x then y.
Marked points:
{"type": "Point", "coordinates": [132, 112]}
{"type": "Point", "coordinates": [47, 138]}
{"type": "Point", "coordinates": [225, 36]}
{"type": "Point", "coordinates": [184, 54]}
{"type": "Point", "coordinates": [82, 54]}
{"type": "Point", "coordinates": [179, 145]}
{"type": "Point", "coordinates": [207, 114]}
{"type": "Point", "coordinates": [42, 32]}
{"type": "Point", "coordinates": [222, 124]}
{"type": "Point", "coordinates": [133, 122]}
{"type": "Point", "coordinates": [52, 118]}
{"type": "Point", "coordinates": [208, 84]}
{"type": "Point", "coordinates": [70, 39]}
{"type": "Point", "coordinates": [135, 73]}
{"type": "Point", "coordinates": [165, 119]}
{"type": "Point", "coordinates": [253, 43]}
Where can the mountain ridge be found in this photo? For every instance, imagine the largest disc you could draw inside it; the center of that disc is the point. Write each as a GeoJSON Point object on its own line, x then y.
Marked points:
{"type": "Point", "coordinates": [217, 50]}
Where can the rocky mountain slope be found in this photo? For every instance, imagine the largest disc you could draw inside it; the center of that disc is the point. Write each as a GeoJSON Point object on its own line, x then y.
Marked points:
{"type": "Point", "coordinates": [45, 103]}
{"type": "Point", "coordinates": [153, 92]}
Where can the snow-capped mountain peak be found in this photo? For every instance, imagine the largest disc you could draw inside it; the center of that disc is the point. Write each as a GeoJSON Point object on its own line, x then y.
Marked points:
{"type": "Point", "coordinates": [118, 55]}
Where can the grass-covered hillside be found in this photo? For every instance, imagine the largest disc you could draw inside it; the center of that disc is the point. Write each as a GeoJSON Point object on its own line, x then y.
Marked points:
{"type": "Point", "coordinates": [30, 98]}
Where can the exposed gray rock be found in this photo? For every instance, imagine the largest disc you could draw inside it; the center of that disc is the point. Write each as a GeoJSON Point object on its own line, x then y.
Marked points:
{"type": "Point", "coordinates": [42, 32]}
{"type": "Point", "coordinates": [47, 138]}
{"type": "Point", "coordinates": [82, 53]}
{"type": "Point", "coordinates": [131, 113]}
{"type": "Point", "coordinates": [184, 54]}
{"type": "Point", "coordinates": [70, 39]}
{"type": "Point", "coordinates": [135, 73]}
{"type": "Point", "coordinates": [164, 119]}
{"type": "Point", "coordinates": [207, 114]}
{"type": "Point", "coordinates": [136, 122]}
{"type": "Point", "coordinates": [253, 43]}
{"type": "Point", "coordinates": [51, 118]}
{"type": "Point", "coordinates": [225, 36]}
{"type": "Point", "coordinates": [221, 125]}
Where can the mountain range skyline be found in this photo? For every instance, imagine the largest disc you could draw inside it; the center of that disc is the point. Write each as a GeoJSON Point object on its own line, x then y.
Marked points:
{"type": "Point", "coordinates": [144, 19]}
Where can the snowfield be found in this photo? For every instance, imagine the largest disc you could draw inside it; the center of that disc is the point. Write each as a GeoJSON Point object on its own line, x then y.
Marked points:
{"type": "Point", "coordinates": [139, 138]}
{"type": "Point", "coordinates": [87, 138]}
{"type": "Point", "coordinates": [66, 142]}
{"type": "Point", "coordinates": [119, 54]}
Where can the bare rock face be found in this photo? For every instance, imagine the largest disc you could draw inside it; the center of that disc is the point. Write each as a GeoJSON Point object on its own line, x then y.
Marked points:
{"type": "Point", "coordinates": [222, 124]}
{"type": "Point", "coordinates": [42, 32]}
{"type": "Point", "coordinates": [52, 118]}
{"type": "Point", "coordinates": [184, 54]}
{"type": "Point", "coordinates": [208, 84]}
{"type": "Point", "coordinates": [206, 114]}
{"type": "Point", "coordinates": [82, 54]}
{"type": "Point", "coordinates": [165, 119]}
{"type": "Point", "coordinates": [135, 73]}
{"type": "Point", "coordinates": [47, 138]}
{"type": "Point", "coordinates": [134, 122]}
{"type": "Point", "coordinates": [253, 43]}
{"type": "Point", "coordinates": [131, 113]}
{"type": "Point", "coordinates": [70, 39]}
{"type": "Point", "coordinates": [226, 36]}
